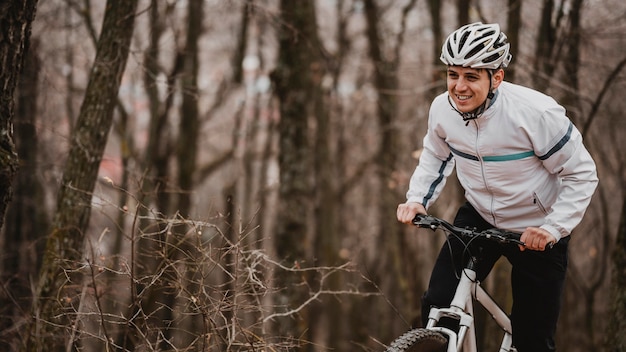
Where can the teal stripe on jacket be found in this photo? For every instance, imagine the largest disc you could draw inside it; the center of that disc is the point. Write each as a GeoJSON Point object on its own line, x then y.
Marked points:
{"type": "Point", "coordinates": [493, 158]}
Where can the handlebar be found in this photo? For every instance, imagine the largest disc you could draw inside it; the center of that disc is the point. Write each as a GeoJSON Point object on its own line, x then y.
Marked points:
{"type": "Point", "coordinates": [498, 235]}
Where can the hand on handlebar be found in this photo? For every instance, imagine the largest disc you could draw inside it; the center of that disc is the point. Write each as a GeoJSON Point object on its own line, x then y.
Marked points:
{"type": "Point", "coordinates": [537, 239]}
{"type": "Point", "coordinates": [406, 211]}
{"type": "Point", "coordinates": [533, 238]}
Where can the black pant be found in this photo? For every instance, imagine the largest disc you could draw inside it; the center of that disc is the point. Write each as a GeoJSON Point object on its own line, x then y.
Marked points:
{"type": "Point", "coordinates": [537, 280]}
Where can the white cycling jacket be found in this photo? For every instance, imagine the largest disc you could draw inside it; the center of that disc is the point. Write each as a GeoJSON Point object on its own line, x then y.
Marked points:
{"type": "Point", "coordinates": [522, 163]}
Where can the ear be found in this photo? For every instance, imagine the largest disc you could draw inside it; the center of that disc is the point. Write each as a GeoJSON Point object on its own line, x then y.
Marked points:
{"type": "Point", "coordinates": [497, 78]}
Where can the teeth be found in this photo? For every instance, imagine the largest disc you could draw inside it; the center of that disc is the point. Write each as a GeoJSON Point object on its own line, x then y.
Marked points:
{"type": "Point", "coordinates": [463, 97]}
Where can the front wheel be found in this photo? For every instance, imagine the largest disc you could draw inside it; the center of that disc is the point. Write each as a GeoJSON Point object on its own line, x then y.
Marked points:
{"type": "Point", "coordinates": [419, 340]}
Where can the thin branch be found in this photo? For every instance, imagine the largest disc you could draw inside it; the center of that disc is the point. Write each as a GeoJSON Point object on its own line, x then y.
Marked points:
{"type": "Point", "coordinates": [605, 88]}
{"type": "Point", "coordinates": [401, 33]}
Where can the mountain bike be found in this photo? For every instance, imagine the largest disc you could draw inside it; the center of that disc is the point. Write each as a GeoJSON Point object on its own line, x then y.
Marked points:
{"type": "Point", "coordinates": [459, 336]}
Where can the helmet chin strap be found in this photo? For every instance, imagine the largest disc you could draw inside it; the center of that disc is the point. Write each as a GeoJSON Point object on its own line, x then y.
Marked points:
{"type": "Point", "coordinates": [468, 116]}
{"type": "Point", "coordinates": [476, 113]}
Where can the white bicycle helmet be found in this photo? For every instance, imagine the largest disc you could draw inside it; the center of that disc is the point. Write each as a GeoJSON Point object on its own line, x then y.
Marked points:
{"type": "Point", "coordinates": [477, 45]}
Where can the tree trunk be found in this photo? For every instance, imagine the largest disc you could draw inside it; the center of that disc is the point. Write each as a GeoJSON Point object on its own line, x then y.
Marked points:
{"type": "Point", "coordinates": [189, 124]}
{"type": "Point", "coordinates": [155, 196]}
{"type": "Point", "coordinates": [393, 271]}
{"type": "Point", "coordinates": [27, 220]}
{"type": "Point", "coordinates": [545, 57]}
{"type": "Point", "coordinates": [57, 297]}
{"type": "Point", "coordinates": [327, 313]}
{"type": "Point", "coordinates": [156, 160]}
{"type": "Point", "coordinates": [463, 7]}
{"type": "Point", "coordinates": [437, 81]}
{"type": "Point", "coordinates": [616, 339]}
{"type": "Point", "coordinates": [15, 24]}
{"type": "Point", "coordinates": [187, 164]}
{"type": "Point", "coordinates": [571, 63]}
{"type": "Point", "coordinates": [297, 79]}
{"type": "Point", "coordinates": [514, 22]}
{"type": "Point", "coordinates": [247, 10]}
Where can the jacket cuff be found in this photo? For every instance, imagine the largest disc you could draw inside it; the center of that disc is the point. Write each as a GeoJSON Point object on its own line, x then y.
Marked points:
{"type": "Point", "coordinates": [418, 200]}
{"type": "Point", "coordinates": [554, 231]}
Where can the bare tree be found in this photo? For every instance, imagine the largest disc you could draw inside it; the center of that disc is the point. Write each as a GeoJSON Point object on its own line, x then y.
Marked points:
{"type": "Point", "coordinates": [156, 184]}
{"type": "Point", "coordinates": [18, 261]}
{"type": "Point", "coordinates": [156, 157]}
{"type": "Point", "coordinates": [514, 24]}
{"type": "Point", "coordinates": [463, 11]}
{"type": "Point", "coordinates": [386, 59]}
{"type": "Point", "coordinates": [27, 220]}
{"type": "Point", "coordinates": [571, 62]}
{"type": "Point", "coordinates": [549, 46]}
{"type": "Point", "coordinates": [180, 244]}
{"type": "Point", "coordinates": [297, 78]}
{"type": "Point", "coordinates": [56, 299]}
{"type": "Point", "coordinates": [15, 22]}
{"type": "Point", "coordinates": [434, 7]}
{"type": "Point", "coordinates": [616, 341]}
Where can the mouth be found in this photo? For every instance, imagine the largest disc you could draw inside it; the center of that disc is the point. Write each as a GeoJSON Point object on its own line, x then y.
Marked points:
{"type": "Point", "coordinates": [463, 97]}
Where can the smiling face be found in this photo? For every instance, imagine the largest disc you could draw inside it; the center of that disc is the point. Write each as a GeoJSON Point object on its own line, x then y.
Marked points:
{"type": "Point", "coordinates": [468, 87]}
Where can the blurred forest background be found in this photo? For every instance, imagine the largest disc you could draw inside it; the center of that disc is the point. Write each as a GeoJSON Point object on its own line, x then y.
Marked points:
{"type": "Point", "coordinates": [223, 175]}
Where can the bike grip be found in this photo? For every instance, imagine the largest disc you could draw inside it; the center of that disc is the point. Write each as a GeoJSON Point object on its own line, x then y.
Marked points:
{"type": "Point", "coordinates": [424, 220]}
{"type": "Point", "coordinates": [418, 217]}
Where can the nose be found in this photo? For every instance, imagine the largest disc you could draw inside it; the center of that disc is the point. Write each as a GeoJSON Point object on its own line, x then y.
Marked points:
{"type": "Point", "coordinates": [461, 85]}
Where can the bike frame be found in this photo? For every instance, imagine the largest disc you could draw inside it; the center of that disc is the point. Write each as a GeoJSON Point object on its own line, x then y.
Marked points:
{"type": "Point", "coordinates": [462, 309]}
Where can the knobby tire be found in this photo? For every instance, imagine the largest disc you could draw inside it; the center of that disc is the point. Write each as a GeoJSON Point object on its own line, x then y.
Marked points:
{"type": "Point", "coordinates": [419, 340]}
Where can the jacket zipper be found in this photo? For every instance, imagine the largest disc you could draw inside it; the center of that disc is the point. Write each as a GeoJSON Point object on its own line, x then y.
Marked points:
{"type": "Point", "coordinates": [482, 171]}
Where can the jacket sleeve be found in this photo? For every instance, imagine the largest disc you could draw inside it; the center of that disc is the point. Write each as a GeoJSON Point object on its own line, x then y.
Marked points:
{"type": "Point", "coordinates": [435, 165]}
{"type": "Point", "coordinates": [566, 156]}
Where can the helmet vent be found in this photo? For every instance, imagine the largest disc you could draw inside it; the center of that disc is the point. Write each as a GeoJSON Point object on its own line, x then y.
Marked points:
{"type": "Point", "coordinates": [500, 42]}
{"type": "Point", "coordinates": [491, 58]}
{"type": "Point", "coordinates": [450, 52]}
{"type": "Point", "coordinates": [463, 40]}
{"type": "Point", "coordinates": [474, 51]}
{"type": "Point", "coordinates": [483, 36]}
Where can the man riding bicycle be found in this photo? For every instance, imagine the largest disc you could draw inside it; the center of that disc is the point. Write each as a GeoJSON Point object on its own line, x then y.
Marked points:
{"type": "Point", "coordinates": [523, 167]}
